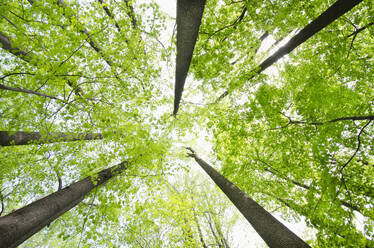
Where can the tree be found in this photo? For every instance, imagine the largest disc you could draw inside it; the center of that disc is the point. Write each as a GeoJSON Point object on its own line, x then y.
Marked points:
{"type": "Point", "coordinates": [308, 120]}
{"type": "Point", "coordinates": [186, 213]}
{"type": "Point", "coordinates": [55, 86]}
{"type": "Point", "coordinates": [189, 14]}
{"type": "Point", "coordinates": [23, 138]}
{"type": "Point", "coordinates": [297, 138]}
{"type": "Point", "coordinates": [274, 233]}
{"type": "Point", "coordinates": [18, 226]}
{"type": "Point", "coordinates": [331, 14]}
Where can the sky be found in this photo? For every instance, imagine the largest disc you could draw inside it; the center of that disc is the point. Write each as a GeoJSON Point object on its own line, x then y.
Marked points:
{"type": "Point", "coordinates": [243, 235]}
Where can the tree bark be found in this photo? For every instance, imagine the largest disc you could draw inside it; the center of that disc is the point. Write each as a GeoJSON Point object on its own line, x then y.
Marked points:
{"type": "Point", "coordinates": [29, 58]}
{"type": "Point", "coordinates": [8, 138]}
{"type": "Point", "coordinates": [16, 51]}
{"type": "Point", "coordinates": [21, 224]}
{"type": "Point", "coordinates": [189, 14]}
{"type": "Point", "coordinates": [110, 14]}
{"type": "Point", "coordinates": [336, 10]}
{"type": "Point", "coordinates": [4, 87]}
{"type": "Point", "coordinates": [131, 13]}
{"type": "Point", "coordinates": [274, 233]}
{"type": "Point", "coordinates": [199, 230]}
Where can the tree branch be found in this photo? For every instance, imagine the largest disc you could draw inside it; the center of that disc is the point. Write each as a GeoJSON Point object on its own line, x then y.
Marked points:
{"type": "Point", "coordinates": [358, 145]}
{"type": "Point", "coordinates": [351, 118]}
{"type": "Point", "coordinates": [4, 87]}
{"type": "Point", "coordinates": [360, 29]}
{"type": "Point", "coordinates": [110, 14]}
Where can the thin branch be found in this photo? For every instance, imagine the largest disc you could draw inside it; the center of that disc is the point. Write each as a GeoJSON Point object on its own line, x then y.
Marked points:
{"type": "Point", "coordinates": [110, 14]}
{"type": "Point", "coordinates": [359, 30]}
{"type": "Point", "coordinates": [4, 87]}
{"type": "Point", "coordinates": [59, 180]}
{"type": "Point", "coordinates": [347, 118]}
{"type": "Point", "coordinates": [16, 73]}
{"type": "Point", "coordinates": [85, 219]}
{"type": "Point", "coordinates": [236, 22]}
{"type": "Point", "coordinates": [358, 145]}
{"type": "Point", "coordinates": [131, 13]}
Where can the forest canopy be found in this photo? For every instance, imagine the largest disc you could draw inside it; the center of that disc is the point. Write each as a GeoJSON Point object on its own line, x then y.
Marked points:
{"type": "Point", "coordinates": [88, 85]}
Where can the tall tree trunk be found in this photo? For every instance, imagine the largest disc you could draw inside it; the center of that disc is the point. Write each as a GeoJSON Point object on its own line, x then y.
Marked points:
{"type": "Point", "coordinates": [8, 138]}
{"type": "Point", "coordinates": [21, 224]}
{"type": "Point", "coordinates": [189, 14]}
{"type": "Point", "coordinates": [274, 233]}
{"type": "Point", "coordinates": [336, 10]}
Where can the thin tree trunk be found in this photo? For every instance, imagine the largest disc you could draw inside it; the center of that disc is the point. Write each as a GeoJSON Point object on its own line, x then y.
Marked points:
{"type": "Point", "coordinates": [16, 51]}
{"type": "Point", "coordinates": [21, 224]}
{"type": "Point", "coordinates": [219, 231]}
{"type": "Point", "coordinates": [336, 10]}
{"type": "Point", "coordinates": [4, 87]}
{"type": "Point", "coordinates": [189, 14]}
{"type": "Point", "coordinates": [92, 43]}
{"type": "Point", "coordinates": [9, 138]}
{"type": "Point", "coordinates": [30, 58]}
{"type": "Point", "coordinates": [131, 13]}
{"type": "Point", "coordinates": [110, 14]}
{"type": "Point", "coordinates": [274, 233]}
{"type": "Point", "coordinates": [199, 230]}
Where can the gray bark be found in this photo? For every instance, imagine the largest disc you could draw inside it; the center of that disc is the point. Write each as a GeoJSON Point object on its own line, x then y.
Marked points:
{"type": "Point", "coordinates": [274, 233]}
{"type": "Point", "coordinates": [21, 224]}
{"type": "Point", "coordinates": [336, 10]}
{"type": "Point", "coordinates": [189, 14]}
{"type": "Point", "coordinates": [8, 138]}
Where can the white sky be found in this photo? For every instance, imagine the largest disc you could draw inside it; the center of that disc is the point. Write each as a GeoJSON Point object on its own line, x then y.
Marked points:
{"type": "Point", "coordinates": [243, 234]}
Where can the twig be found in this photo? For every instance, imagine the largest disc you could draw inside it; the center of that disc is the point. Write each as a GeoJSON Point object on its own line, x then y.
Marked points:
{"type": "Point", "coordinates": [358, 146]}
{"type": "Point", "coordinates": [360, 29]}
{"type": "Point", "coordinates": [16, 73]}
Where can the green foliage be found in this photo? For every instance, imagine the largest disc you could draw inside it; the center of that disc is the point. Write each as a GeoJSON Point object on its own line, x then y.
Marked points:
{"type": "Point", "coordinates": [276, 136]}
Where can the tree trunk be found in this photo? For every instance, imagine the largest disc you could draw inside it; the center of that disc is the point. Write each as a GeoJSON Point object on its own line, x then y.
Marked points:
{"type": "Point", "coordinates": [336, 10]}
{"type": "Point", "coordinates": [30, 58]}
{"type": "Point", "coordinates": [8, 138]}
{"type": "Point", "coordinates": [274, 233]}
{"type": "Point", "coordinates": [199, 230]}
{"type": "Point", "coordinates": [189, 14]}
{"type": "Point", "coordinates": [21, 224]}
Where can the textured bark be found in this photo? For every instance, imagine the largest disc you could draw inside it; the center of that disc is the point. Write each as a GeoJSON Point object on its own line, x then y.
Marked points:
{"type": "Point", "coordinates": [274, 233]}
{"type": "Point", "coordinates": [8, 138]}
{"type": "Point", "coordinates": [336, 10]}
{"type": "Point", "coordinates": [189, 14]}
{"type": "Point", "coordinates": [21, 224]}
